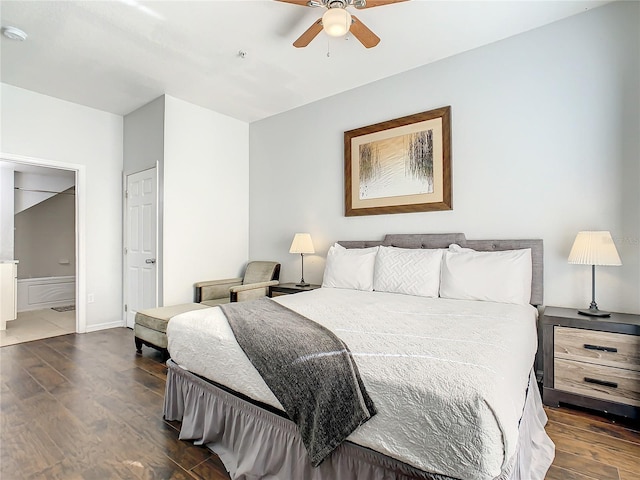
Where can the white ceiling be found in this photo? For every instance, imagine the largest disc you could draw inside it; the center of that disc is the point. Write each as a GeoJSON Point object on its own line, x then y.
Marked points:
{"type": "Point", "coordinates": [119, 55]}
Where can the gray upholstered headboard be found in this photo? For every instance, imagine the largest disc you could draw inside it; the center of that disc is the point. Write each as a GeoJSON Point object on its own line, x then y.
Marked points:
{"type": "Point", "coordinates": [443, 240]}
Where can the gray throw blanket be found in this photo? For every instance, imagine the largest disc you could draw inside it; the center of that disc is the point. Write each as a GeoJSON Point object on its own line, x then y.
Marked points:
{"type": "Point", "coordinates": [309, 370]}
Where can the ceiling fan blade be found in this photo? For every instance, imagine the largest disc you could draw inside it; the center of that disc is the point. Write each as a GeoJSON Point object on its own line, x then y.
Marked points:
{"type": "Point", "coordinates": [375, 3]}
{"type": "Point", "coordinates": [362, 33]}
{"type": "Point", "coordinates": [302, 3]}
{"type": "Point", "coordinates": [310, 34]}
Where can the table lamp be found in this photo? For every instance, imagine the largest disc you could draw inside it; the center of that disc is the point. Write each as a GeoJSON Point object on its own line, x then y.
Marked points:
{"type": "Point", "coordinates": [302, 244]}
{"type": "Point", "coordinates": [594, 248]}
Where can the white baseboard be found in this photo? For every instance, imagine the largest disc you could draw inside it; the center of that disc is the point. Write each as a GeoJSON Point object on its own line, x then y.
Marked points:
{"type": "Point", "coordinates": [104, 326]}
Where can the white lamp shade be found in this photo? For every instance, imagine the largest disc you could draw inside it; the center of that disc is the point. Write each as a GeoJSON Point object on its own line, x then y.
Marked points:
{"type": "Point", "coordinates": [302, 244]}
{"type": "Point", "coordinates": [594, 248]}
{"type": "Point", "coordinates": [336, 22]}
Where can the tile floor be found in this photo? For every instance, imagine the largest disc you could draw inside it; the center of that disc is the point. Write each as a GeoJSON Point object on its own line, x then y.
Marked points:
{"type": "Point", "coordinates": [37, 324]}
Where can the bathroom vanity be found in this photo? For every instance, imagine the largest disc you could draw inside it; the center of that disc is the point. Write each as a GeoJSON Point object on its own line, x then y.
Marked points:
{"type": "Point", "coordinates": [8, 291]}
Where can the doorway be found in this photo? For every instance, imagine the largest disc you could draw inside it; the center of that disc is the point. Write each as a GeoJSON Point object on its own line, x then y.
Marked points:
{"type": "Point", "coordinates": [72, 314]}
{"type": "Point", "coordinates": [141, 243]}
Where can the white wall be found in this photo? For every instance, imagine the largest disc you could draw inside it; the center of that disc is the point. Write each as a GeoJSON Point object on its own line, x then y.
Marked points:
{"type": "Point", "coordinates": [545, 143]}
{"type": "Point", "coordinates": [206, 198]}
{"type": "Point", "coordinates": [44, 127]}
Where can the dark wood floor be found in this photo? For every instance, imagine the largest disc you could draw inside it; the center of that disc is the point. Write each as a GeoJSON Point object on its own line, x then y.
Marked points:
{"type": "Point", "coordinates": [86, 407]}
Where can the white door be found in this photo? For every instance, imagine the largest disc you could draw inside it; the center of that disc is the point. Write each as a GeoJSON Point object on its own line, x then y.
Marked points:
{"type": "Point", "coordinates": [141, 269]}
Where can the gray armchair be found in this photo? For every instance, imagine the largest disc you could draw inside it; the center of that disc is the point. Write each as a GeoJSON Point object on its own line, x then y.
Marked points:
{"type": "Point", "coordinates": [258, 277]}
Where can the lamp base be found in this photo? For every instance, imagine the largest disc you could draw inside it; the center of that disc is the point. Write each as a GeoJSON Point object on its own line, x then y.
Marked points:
{"type": "Point", "coordinates": [302, 284]}
{"type": "Point", "coordinates": [594, 312]}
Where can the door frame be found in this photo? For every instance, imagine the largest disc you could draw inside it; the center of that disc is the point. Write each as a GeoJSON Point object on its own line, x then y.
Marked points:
{"type": "Point", "coordinates": [81, 252]}
{"type": "Point", "coordinates": [125, 234]}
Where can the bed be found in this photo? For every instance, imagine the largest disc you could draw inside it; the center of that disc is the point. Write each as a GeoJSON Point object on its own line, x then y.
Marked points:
{"type": "Point", "coordinates": [452, 378]}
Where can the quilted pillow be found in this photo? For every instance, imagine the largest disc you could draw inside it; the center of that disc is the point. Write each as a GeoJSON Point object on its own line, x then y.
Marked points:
{"type": "Point", "coordinates": [350, 268]}
{"type": "Point", "coordinates": [503, 277]}
{"type": "Point", "coordinates": [412, 271]}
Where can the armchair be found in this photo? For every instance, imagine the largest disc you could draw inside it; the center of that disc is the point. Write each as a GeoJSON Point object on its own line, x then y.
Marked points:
{"type": "Point", "coordinates": [258, 277]}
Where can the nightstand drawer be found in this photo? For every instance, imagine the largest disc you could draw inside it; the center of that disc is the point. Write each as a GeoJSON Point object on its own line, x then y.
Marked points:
{"type": "Point", "coordinates": [607, 383]}
{"type": "Point", "coordinates": [601, 348]}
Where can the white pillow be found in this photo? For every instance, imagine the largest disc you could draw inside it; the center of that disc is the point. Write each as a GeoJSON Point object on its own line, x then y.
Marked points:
{"type": "Point", "coordinates": [412, 271]}
{"type": "Point", "coordinates": [455, 248]}
{"type": "Point", "coordinates": [350, 268]}
{"type": "Point", "coordinates": [503, 277]}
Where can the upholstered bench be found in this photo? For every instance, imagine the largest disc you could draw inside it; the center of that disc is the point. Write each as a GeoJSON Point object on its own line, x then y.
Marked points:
{"type": "Point", "coordinates": [150, 327]}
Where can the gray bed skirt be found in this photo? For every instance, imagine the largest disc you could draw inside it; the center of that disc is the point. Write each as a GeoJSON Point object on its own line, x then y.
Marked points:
{"type": "Point", "coordinates": [254, 443]}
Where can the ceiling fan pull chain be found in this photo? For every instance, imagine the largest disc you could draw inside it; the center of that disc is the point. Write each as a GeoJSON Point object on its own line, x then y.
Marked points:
{"type": "Point", "coordinates": [328, 48]}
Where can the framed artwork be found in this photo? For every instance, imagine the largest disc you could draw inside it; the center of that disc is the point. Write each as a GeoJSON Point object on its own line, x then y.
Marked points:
{"type": "Point", "coordinates": [399, 166]}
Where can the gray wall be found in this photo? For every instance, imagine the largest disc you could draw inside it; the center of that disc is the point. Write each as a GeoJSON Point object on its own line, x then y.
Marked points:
{"type": "Point", "coordinates": [143, 137]}
{"type": "Point", "coordinates": [545, 144]}
{"type": "Point", "coordinates": [45, 238]}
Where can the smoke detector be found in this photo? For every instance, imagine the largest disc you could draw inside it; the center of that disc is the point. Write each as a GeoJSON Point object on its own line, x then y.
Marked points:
{"type": "Point", "coordinates": [14, 33]}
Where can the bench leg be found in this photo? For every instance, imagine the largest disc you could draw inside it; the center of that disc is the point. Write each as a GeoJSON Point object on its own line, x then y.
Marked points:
{"type": "Point", "coordinates": [138, 345]}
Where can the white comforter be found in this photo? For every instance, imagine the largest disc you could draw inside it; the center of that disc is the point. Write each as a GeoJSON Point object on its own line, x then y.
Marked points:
{"type": "Point", "coordinates": [448, 377]}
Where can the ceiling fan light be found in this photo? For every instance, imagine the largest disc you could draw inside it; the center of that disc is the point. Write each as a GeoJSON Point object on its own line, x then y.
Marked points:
{"type": "Point", "coordinates": [336, 22]}
{"type": "Point", "coordinates": [14, 33]}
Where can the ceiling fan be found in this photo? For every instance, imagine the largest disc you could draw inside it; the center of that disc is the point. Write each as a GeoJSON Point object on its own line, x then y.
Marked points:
{"type": "Point", "coordinates": [337, 21]}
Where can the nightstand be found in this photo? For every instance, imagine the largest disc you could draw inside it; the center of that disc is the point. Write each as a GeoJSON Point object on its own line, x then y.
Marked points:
{"type": "Point", "coordinates": [592, 362]}
{"type": "Point", "coordinates": [289, 288]}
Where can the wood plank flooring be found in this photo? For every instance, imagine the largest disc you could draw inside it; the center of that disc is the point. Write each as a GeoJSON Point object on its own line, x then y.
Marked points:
{"type": "Point", "coordinates": [87, 407]}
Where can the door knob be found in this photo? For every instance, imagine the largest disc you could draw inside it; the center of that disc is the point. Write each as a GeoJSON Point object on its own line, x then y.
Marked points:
{"type": "Point", "coordinates": [150, 260]}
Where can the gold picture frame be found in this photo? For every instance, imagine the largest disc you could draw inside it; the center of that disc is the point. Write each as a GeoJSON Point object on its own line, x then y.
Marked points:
{"type": "Point", "coordinates": [399, 166]}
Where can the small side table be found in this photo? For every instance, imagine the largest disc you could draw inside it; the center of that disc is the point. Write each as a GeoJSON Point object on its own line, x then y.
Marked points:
{"type": "Point", "coordinates": [289, 288]}
{"type": "Point", "coordinates": [592, 362]}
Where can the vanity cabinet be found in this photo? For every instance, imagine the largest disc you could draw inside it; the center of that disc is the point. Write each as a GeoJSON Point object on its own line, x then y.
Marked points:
{"type": "Point", "coordinates": [8, 292]}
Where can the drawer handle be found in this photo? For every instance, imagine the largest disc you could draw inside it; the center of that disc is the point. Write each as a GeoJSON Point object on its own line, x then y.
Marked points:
{"type": "Point", "coordinates": [601, 382]}
{"type": "Point", "coordinates": [602, 349]}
